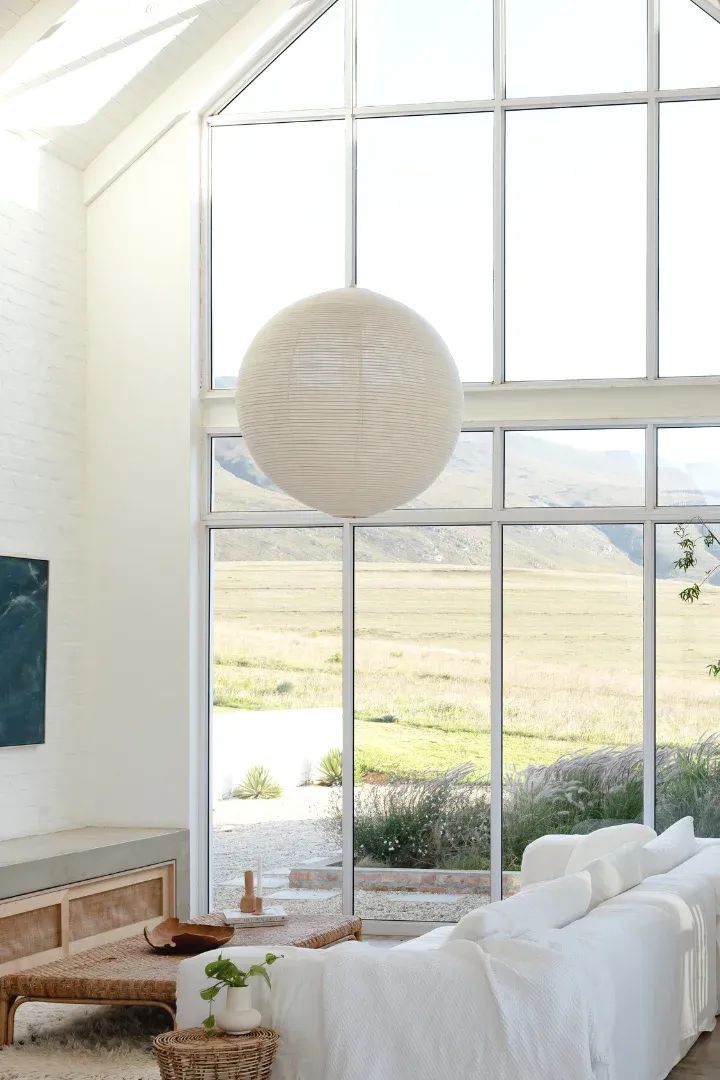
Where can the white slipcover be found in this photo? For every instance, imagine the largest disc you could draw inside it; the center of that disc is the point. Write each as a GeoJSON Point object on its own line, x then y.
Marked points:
{"type": "Point", "coordinates": [657, 944]}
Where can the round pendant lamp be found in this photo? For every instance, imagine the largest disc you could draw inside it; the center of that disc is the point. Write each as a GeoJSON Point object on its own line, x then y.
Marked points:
{"type": "Point", "coordinates": [350, 402]}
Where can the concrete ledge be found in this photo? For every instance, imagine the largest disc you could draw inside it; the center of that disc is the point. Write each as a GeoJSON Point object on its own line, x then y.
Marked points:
{"type": "Point", "coordinates": [33, 864]}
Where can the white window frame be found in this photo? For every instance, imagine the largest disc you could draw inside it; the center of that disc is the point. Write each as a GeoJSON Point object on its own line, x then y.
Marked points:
{"type": "Point", "coordinates": [500, 406]}
{"type": "Point", "coordinates": [500, 105]}
{"type": "Point", "coordinates": [496, 517]}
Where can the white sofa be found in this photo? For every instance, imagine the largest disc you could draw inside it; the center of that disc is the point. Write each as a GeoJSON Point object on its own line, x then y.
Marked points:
{"type": "Point", "coordinates": [651, 960]}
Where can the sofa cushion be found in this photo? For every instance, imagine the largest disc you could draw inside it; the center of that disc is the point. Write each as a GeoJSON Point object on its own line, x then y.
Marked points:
{"type": "Point", "coordinates": [670, 849]}
{"type": "Point", "coordinates": [601, 842]}
{"type": "Point", "coordinates": [615, 873]}
{"type": "Point", "coordinates": [548, 906]}
{"type": "Point", "coordinates": [547, 857]}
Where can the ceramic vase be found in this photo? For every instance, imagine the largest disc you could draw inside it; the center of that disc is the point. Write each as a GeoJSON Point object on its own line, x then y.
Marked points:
{"type": "Point", "coordinates": [238, 1015]}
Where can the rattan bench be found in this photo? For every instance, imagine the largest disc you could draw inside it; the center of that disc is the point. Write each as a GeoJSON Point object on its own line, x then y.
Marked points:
{"type": "Point", "coordinates": [128, 972]}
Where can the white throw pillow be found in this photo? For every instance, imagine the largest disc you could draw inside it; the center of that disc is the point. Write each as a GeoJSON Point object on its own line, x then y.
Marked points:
{"type": "Point", "coordinates": [670, 849]}
{"type": "Point", "coordinates": [615, 873]}
{"type": "Point", "coordinates": [603, 841]}
{"type": "Point", "coordinates": [548, 906]}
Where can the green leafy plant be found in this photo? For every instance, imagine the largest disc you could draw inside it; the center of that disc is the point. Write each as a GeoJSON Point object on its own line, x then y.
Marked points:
{"type": "Point", "coordinates": [443, 822]}
{"type": "Point", "coordinates": [257, 784]}
{"type": "Point", "coordinates": [424, 821]}
{"type": "Point", "coordinates": [576, 794]}
{"type": "Point", "coordinates": [330, 768]}
{"type": "Point", "coordinates": [704, 538]}
{"type": "Point", "coordinates": [226, 973]}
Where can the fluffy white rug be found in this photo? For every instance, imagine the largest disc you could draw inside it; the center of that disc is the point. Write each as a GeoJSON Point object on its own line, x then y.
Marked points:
{"type": "Point", "coordinates": [75, 1042]}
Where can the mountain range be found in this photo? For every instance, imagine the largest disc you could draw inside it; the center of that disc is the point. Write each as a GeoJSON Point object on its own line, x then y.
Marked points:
{"type": "Point", "coordinates": [539, 473]}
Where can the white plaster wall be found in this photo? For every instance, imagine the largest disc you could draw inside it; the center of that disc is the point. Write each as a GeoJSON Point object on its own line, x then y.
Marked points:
{"type": "Point", "coordinates": [142, 431]}
{"type": "Point", "coordinates": [42, 459]}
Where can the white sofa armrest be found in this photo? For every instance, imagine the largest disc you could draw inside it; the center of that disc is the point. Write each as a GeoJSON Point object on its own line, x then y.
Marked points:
{"type": "Point", "coordinates": [293, 1006]}
{"type": "Point", "coordinates": [191, 1009]}
{"type": "Point", "coordinates": [546, 858]}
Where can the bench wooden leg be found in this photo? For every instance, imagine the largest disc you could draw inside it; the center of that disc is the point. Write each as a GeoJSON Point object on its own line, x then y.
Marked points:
{"type": "Point", "coordinates": [4, 1008]}
{"type": "Point", "coordinates": [10, 1005]}
{"type": "Point", "coordinates": [7, 1015]}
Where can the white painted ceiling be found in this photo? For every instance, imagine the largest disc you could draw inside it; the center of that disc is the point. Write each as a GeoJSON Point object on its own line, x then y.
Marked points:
{"type": "Point", "coordinates": [90, 73]}
{"type": "Point", "coordinates": [12, 10]}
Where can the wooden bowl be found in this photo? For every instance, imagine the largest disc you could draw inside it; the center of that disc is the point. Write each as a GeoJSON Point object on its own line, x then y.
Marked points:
{"type": "Point", "coordinates": [173, 936]}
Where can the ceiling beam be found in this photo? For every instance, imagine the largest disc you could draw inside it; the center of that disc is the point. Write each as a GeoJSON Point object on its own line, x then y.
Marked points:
{"type": "Point", "coordinates": [263, 23]}
{"type": "Point", "coordinates": [29, 29]}
{"type": "Point", "coordinates": [710, 7]}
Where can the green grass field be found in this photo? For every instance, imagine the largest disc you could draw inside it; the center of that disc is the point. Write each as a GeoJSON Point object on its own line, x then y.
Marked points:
{"type": "Point", "coordinates": [572, 665]}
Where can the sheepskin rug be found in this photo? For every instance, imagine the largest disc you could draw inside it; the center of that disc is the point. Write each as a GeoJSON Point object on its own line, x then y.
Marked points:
{"type": "Point", "coordinates": [78, 1042]}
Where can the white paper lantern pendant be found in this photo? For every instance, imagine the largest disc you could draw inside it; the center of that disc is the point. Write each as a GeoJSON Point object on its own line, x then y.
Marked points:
{"type": "Point", "coordinates": [350, 402]}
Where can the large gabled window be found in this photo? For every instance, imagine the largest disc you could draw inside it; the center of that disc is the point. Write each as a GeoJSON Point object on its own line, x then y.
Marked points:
{"type": "Point", "coordinates": [524, 174]}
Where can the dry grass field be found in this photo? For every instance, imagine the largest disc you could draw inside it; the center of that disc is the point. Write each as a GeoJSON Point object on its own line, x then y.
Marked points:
{"type": "Point", "coordinates": [572, 668]}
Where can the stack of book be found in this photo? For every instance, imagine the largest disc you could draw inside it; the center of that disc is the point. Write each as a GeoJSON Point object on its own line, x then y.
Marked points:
{"type": "Point", "coordinates": [271, 916]}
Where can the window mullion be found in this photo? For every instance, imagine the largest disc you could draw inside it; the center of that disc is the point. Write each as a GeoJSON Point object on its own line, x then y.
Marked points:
{"type": "Point", "coordinates": [496, 710]}
{"type": "Point", "coordinates": [499, 192]}
{"type": "Point", "coordinates": [649, 673]}
{"type": "Point", "coordinates": [348, 718]}
{"type": "Point", "coordinates": [649, 627]}
{"type": "Point", "coordinates": [350, 146]}
{"type": "Point", "coordinates": [653, 194]}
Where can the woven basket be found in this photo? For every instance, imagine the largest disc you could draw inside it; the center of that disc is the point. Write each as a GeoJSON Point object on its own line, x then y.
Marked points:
{"type": "Point", "coordinates": [191, 1055]}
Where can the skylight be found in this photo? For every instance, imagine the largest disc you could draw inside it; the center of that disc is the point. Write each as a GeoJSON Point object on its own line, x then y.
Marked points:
{"type": "Point", "coordinates": [76, 94]}
{"type": "Point", "coordinates": [90, 28]}
{"type": "Point", "coordinates": [86, 59]}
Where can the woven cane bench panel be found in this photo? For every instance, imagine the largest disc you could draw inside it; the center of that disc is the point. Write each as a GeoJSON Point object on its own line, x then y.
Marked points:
{"type": "Point", "coordinates": [30, 932]}
{"type": "Point", "coordinates": [129, 970]}
{"type": "Point", "coordinates": [102, 911]}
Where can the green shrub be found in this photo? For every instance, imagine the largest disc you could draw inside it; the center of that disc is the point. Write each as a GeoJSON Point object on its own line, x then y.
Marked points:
{"type": "Point", "coordinates": [575, 794]}
{"type": "Point", "coordinates": [257, 784]}
{"type": "Point", "coordinates": [688, 782]}
{"type": "Point", "coordinates": [330, 768]}
{"type": "Point", "coordinates": [444, 821]}
{"type": "Point", "coordinates": [424, 822]}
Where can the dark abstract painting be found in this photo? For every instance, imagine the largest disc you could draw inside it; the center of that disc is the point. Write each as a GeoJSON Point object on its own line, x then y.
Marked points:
{"type": "Point", "coordinates": [23, 650]}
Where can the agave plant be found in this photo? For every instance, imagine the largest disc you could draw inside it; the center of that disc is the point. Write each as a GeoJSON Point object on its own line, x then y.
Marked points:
{"type": "Point", "coordinates": [329, 770]}
{"type": "Point", "coordinates": [257, 784]}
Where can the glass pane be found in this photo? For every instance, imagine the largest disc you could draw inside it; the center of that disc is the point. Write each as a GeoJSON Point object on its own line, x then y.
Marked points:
{"type": "Point", "coordinates": [689, 44]}
{"type": "Point", "coordinates": [308, 75]}
{"type": "Point", "coordinates": [277, 713]}
{"type": "Point", "coordinates": [688, 696]}
{"type": "Point", "coordinates": [422, 722]}
{"type": "Point", "coordinates": [273, 241]}
{"type": "Point", "coordinates": [420, 50]}
{"type": "Point", "coordinates": [575, 243]}
{"type": "Point", "coordinates": [689, 466]}
{"type": "Point", "coordinates": [689, 238]}
{"type": "Point", "coordinates": [467, 479]}
{"type": "Point", "coordinates": [575, 468]}
{"type": "Point", "coordinates": [573, 674]}
{"type": "Point", "coordinates": [238, 483]}
{"type": "Point", "coordinates": [425, 225]}
{"type": "Point", "coordinates": [575, 47]}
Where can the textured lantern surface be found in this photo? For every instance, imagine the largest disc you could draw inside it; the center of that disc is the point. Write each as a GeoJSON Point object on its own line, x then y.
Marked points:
{"type": "Point", "coordinates": [350, 402]}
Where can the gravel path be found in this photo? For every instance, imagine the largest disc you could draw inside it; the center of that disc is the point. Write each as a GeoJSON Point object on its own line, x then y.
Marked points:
{"type": "Point", "coordinates": [288, 831]}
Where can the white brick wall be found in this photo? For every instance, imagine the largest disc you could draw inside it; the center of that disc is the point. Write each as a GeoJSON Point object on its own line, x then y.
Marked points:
{"type": "Point", "coordinates": [42, 459]}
